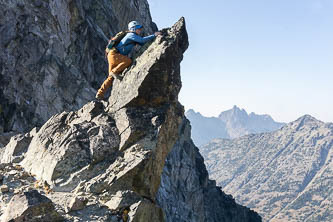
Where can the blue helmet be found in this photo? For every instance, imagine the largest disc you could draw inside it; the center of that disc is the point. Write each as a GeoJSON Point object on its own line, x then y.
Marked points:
{"type": "Point", "coordinates": [134, 25]}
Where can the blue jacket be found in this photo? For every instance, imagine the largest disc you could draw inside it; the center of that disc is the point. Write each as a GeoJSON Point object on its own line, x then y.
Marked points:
{"type": "Point", "coordinates": [128, 42]}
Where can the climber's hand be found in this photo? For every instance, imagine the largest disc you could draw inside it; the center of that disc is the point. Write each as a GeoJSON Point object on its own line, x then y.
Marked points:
{"type": "Point", "coordinates": [158, 33]}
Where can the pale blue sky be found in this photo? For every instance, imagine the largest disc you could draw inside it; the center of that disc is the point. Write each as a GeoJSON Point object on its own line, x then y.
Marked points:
{"type": "Point", "coordinates": [266, 56]}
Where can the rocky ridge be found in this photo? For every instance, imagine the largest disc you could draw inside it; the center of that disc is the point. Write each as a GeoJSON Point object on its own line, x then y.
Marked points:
{"type": "Point", "coordinates": [284, 175]}
{"type": "Point", "coordinates": [119, 161]}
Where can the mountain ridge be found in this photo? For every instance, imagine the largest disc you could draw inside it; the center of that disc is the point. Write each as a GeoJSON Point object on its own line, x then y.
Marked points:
{"type": "Point", "coordinates": [286, 168]}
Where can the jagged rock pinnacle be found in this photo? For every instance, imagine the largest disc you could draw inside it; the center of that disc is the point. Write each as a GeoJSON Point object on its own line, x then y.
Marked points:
{"type": "Point", "coordinates": [155, 77]}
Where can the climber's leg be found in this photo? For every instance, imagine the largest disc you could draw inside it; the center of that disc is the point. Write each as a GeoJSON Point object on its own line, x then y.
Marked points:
{"type": "Point", "coordinates": [117, 64]}
{"type": "Point", "coordinates": [113, 62]}
{"type": "Point", "coordinates": [122, 63]}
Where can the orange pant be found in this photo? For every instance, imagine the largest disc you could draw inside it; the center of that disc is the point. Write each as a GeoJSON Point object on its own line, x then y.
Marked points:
{"type": "Point", "coordinates": [117, 64]}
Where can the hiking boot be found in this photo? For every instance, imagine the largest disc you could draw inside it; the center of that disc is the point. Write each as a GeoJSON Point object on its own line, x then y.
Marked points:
{"type": "Point", "coordinates": [99, 97]}
{"type": "Point", "coordinates": [116, 76]}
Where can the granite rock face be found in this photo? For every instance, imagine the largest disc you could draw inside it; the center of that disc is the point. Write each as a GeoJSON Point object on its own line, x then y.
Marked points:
{"type": "Point", "coordinates": [284, 175]}
{"type": "Point", "coordinates": [52, 54]}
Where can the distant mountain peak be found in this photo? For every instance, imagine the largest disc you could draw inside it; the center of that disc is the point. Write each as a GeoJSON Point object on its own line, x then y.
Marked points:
{"type": "Point", "coordinates": [307, 117]}
{"type": "Point", "coordinates": [191, 112]}
{"type": "Point", "coordinates": [235, 107]}
{"type": "Point", "coordinates": [231, 123]}
{"type": "Point", "coordinates": [304, 121]}
{"type": "Point", "coordinates": [238, 109]}
{"type": "Point", "coordinates": [235, 112]}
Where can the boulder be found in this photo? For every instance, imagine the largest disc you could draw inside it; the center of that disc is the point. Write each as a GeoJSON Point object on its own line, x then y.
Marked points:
{"type": "Point", "coordinates": [122, 200]}
{"type": "Point", "coordinates": [4, 139]}
{"type": "Point", "coordinates": [69, 144]}
{"type": "Point", "coordinates": [77, 203]}
{"type": "Point", "coordinates": [30, 206]}
{"type": "Point", "coordinates": [14, 151]}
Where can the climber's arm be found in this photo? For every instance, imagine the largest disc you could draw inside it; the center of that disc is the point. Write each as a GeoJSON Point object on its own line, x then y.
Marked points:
{"type": "Point", "coordinates": [142, 40]}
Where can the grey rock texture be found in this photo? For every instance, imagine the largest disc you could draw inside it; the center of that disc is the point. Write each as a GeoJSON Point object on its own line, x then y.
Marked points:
{"type": "Point", "coordinates": [186, 193]}
{"type": "Point", "coordinates": [77, 203]}
{"type": "Point", "coordinates": [229, 124]}
{"type": "Point", "coordinates": [69, 142]}
{"type": "Point", "coordinates": [284, 175]}
{"type": "Point", "coordinates": [16, 180]}
{"type": "Point", "coordinates": [17, 147]}
{"type": "Point", "coordinates": [4, 140]}
{"type": "Point", "coordinates": [52, 54]}
{"type": "Point", "coordinates": [31, 206]}
{"type": "Point", "coordinates": [5, 137]}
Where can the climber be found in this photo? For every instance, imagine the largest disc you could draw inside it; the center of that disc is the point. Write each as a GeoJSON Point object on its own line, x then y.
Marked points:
{"type": "Point", "coordinates": [118, 56]}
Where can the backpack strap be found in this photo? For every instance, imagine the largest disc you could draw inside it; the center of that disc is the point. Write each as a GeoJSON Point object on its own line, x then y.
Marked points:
{"type": "Point", "coordinates": [129, 43]}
